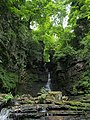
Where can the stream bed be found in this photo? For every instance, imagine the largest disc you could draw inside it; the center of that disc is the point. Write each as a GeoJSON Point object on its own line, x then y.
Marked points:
{"type": "Point", "coordinates": [32, 113]}
{"type": "Point", "coordinates": [50, 105]}
{"type": "Point", "coordinates": [57, 108]}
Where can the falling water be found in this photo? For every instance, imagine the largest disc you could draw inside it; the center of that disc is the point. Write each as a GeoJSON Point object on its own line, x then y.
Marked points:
{"type": "Point", "coordinates": [47, 86]}
{"type": "Point", "coordinates": [4, 114]}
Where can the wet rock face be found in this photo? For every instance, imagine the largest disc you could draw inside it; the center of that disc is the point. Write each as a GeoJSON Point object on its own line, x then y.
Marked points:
{"type": "Point", "coordinates": [73, 74]}
{"type": "Point", "coordinates": [75, 67]}
{"type": "Point", "coordinates": [67, 73]}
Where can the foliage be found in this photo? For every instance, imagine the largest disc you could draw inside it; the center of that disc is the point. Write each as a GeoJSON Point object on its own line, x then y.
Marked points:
{"type": "Point", "coordinates": [43, 91]}
{"type": "Point", "coordinates": [33, 77]}
{"type": "Point", "coordinates": [85, 81]}
{"type": "Point", "coordinates": [8, 79]}
{"type": "Point", "coordinates": [74, 40]}
{"type": "Point", "coordinates": [79, 20]}
{"type": "Point", "coordinates": [7, 97]}
{"type": "Point", "coordinates": [68, 50]}
{"type": "Point", "coordinates": [29, 29]}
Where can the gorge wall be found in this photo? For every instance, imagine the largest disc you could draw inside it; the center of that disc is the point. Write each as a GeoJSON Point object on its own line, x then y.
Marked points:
{"type": "Point", "coordinates": [67, 73]}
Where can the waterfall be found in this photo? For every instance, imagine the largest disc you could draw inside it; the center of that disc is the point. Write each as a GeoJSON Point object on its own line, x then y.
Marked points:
{"type": "Point", "coordinates": [47, 86]}
{"type": "Point", "coordinates": [4, 114]}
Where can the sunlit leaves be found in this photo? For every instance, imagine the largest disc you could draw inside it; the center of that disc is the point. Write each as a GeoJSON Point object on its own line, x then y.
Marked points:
{"type": "Point", "coordinates": [86, 9]}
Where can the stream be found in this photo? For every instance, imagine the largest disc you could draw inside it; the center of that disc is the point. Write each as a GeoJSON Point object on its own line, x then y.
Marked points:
{"type": "Point", "coordinates": [46, 111]}
{"type": "Point", "coordinates": [4, 114]}
{"type": "Point", "coordinates": [47, 86]}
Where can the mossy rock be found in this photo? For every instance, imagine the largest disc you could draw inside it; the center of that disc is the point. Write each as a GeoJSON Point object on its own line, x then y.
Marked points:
{"type": "Point", "coordinates": [76, 103]}
{"type": "Point", "coordinates": [42, 98]}
{"type": "Point", "coordinates": [55, 95]}
{"type": "Point", "coordinates": [25, 99]}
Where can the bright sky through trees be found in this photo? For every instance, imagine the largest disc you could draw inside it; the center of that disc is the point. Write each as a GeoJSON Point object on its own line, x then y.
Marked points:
{"type": "Point", "coordinates": [34, 25]}
{"type": "Point", "coordinates": [65, 21]}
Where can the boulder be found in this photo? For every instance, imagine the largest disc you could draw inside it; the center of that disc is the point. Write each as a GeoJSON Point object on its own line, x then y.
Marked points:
{"type": "Point", "coordinates": [54, 96]}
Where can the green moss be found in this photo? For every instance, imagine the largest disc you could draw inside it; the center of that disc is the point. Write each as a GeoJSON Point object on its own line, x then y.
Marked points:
{"type": "Point", "coordinates": [76, 108]}
{"type": "Point", "coordinates": [30, 102]}
{"type": "Point", "coordinates": [42, 98]}
{"type": "Point", "coordinates": [74, 89]}
{"type": "Point", "coordinates": [42, 91]}
{"type": "Point", "coordinates": [84, 81]}
{"type": "Point", "coordinates": [59, 103]}
{"type": "Point", "coordinates": [7, 97]}
{"type": "Point", "coordinates": [77, 105]}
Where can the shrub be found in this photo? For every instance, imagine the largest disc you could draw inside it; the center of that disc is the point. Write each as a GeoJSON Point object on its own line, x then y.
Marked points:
{"type": "Point", "coordinates": [8, 79]}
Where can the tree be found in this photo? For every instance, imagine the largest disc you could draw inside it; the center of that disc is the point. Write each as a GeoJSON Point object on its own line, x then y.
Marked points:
{"type": "Point", "coordinates": [20, 44]}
